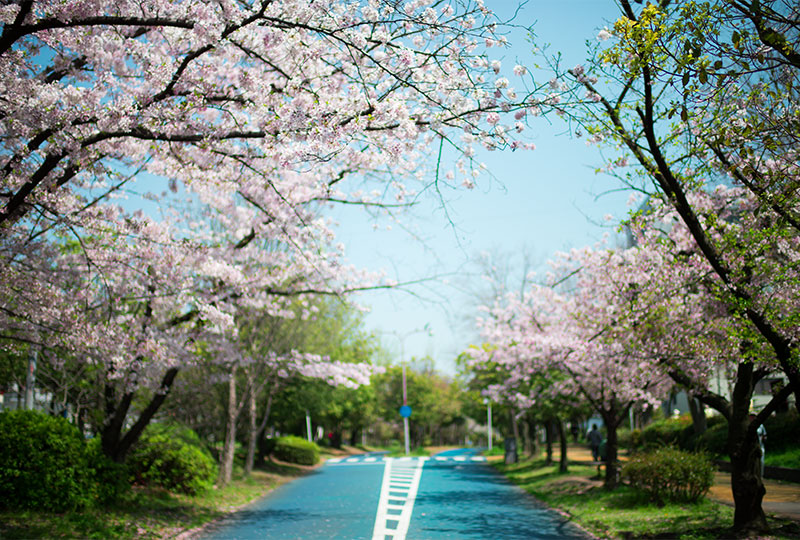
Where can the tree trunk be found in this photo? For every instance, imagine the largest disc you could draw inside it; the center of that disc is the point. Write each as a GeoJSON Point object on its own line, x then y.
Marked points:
{"type": "Point", "coordinates": [226, 467]}
{"type": "Point", "coordinates": [114, 444]}
{"type": "Point", "coordinates": [548, 437]}
{"type": "Point", "coordinates": [252, 429]}
{"type": "Point", "coordinates": [612, 419]}
{"type": "Point", "coordinates": [562, 437]}
{"type": "Point", "coordinates": [526, 438]}
{"type": "Point", "coordinates": [745, 453]}
{"type": "Point", "coordinates": [697, 409]}
{"type": "Point", "coordinates": [532, 432]}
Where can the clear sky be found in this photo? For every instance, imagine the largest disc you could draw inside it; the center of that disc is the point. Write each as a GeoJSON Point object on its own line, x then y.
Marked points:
{"type": "Point", "coordinates": [538, 202]}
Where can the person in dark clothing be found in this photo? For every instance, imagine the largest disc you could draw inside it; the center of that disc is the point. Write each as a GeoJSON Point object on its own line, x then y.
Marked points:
{"type": "Point", "coordinates": [595, 438]}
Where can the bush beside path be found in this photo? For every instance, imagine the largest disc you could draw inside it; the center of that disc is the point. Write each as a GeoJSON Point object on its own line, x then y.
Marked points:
{"type": "Point", "coordinates": [155, 512]}
{"type": "Point", "coordinates": [628, 513]}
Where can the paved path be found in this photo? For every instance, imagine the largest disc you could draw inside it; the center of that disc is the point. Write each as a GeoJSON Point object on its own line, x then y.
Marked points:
{"type": "Point", "coordinates": [451, 495]}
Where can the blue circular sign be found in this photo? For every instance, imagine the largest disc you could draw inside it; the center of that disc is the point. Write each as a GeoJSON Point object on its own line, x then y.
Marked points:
{"type": "Point", "coordinates": [405, 411]}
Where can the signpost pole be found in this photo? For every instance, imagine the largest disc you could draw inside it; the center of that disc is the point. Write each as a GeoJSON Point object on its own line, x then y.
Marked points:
{"type": "Point", "coordinates": [405, 402]}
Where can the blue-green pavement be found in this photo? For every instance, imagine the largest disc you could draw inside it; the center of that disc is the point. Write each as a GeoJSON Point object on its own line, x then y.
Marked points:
{"type": "Point", "coordinates": [451, 495]}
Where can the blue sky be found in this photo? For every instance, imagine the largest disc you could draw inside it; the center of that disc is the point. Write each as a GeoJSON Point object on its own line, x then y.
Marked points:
{"type": "Point", "coordinates": [539, 202]}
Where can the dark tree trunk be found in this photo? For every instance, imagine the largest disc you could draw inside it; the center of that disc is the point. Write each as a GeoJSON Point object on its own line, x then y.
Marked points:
{"type": "Point", "coordinates": [548, 434]}
{"type": "Point", "coordinates": [562, 437]}
{"type": "Point", "coordinates": [336, 440]}
{"type": "Point", "coordinates": [743, 449]}
{"type": "Point", "coordinates": [532, 431]}
{"type": "Point", "coordinates": [697, 409]}
{"type": "Point", "coordinates": [612, 418]}
{"type": "Point", "coordinates": [612, 444]}
{"type": "Point", "coordinates": [526, 439]}
{"type": "Point", "coordinates": [116, 445]}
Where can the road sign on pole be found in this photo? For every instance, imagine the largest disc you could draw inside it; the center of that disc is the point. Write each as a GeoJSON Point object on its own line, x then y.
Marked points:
{"type": "Point", "coordinates": [405, 411]}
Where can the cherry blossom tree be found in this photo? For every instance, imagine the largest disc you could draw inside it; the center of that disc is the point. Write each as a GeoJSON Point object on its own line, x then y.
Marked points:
{"type": "Point", "coordinates": [252, 117]}
{"type": "Point", "coordinates": [577, 334]}
{"type": "Point", "coordinates": [695, 95]}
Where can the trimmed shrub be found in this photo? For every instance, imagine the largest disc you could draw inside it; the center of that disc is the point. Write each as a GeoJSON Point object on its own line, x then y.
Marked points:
{"type": "Point", "coordinates": [109, 480]}
{"type": "Point", "coordinates": [266, 445]}
{"type": "Point", "coordinates": [669, 474]}
{"type": "Point", "coordinates": [296, 450]}
{"type": "Point", "coordinates": [715, 439]}
{"type": "Point", "coordinates": [173, 457]}
{"type": "Point", "coordinates": [43, 463]}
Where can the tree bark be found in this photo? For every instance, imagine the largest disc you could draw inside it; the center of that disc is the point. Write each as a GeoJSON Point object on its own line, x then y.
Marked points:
{"type": "Point", "coordinates": [114, 444]}
{"type": "Point", "coordinates": [562, 436]}
{"type": "Point", "coordinates": [612, 417]}
{"type": "Point", "coordinates": [526, 438]}
{"type": "Point", "coordinates": [252, 429]}
{"type": "Point", "coordinates": [548, 437]}
{"type": "Point", "coordinates": [697, 409]}
{"type": "Point", "coordinates": [226, 467]}
{"type": "Point", "coordinates": [532, 431]}
{"type": "Point", "coordinates": [743, 449]}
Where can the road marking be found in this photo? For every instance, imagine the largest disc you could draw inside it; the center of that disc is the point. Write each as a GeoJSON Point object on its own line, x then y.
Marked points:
{"type": "Point", "coordinates": [361, 460]}
{"type": "Point", "coordinates": [397, 502]}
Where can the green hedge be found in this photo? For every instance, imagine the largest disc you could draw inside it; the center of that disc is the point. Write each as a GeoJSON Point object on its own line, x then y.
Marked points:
{"type": "Point", "coordinates": [670, 474]}
{"type": "Point", "coordinates": [296, 450]}
{"type": "Point", "coordinates": [173, 457]}
{"type": "Point", "coordinates": [678, 432]}
{"type": "Point", "coordinates": [781, 429]}
{"type": "Point", "coordinates": [45, 464]}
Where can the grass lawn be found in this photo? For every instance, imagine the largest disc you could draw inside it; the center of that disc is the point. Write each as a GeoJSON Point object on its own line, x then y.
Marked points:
{"type": "Point", "coordinates": [625, 512]}
{"type": "Point", "coordinates": [148, 513]}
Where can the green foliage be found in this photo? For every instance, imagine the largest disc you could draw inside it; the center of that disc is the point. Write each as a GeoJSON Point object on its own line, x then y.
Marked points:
{"type": "Point", "coordinates": [678, 432]}
{"type": "Point", "coordinates": [667, 432]}
{"type": "Point", "coordinates": [172, 456]}
{"type": "Point", "coordinates": [786, 457]}
{"type": "Point", "coordinates": [296, 450]}
{"type": "Point", "coordinates": [109, 479]}
{"type": "Point", "coordinates": [715, 439]}
{"type": "Point", "coordinates": [44, 463]}
{"type": "Point", "coordinates": [782, 430]}
{"type": "Point", "coordinates": [670, 474]}
{"type": "Point", "coordinates": [624, 512]}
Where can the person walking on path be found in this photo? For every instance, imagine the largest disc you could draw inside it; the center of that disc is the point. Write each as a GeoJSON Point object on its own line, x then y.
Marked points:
{"type": "Point", "coordinates": [761, 433]}
{"type": "Point", "coordinates": [595, 438]}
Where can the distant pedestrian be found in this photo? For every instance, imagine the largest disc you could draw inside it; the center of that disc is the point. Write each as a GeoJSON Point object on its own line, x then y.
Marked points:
{"type": "Point", "coordinates": [761, 433]}
{"type": "Point", "coordinates": [595, 438]}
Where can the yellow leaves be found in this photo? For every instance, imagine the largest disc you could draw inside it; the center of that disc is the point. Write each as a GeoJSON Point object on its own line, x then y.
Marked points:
{"type": "Point", "coordinates": [637, 39]}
